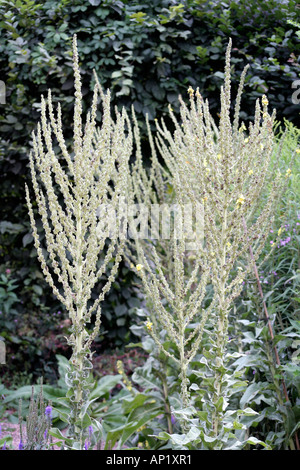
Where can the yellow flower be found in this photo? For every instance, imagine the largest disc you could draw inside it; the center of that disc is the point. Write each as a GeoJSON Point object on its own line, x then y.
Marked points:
{"type": "Point", "coordinates": [265, 100]}
{"type": "Point", "coordinates": [250, 172]}
{"type": "Point", "coordinates": [149, 325]}
{"type": "Point", "coordinates": [288, 172]}
{"type": "Point", "coordinates": [228, 244]}
{"type": "Point", "coordinates": [297, 150]}
{"type": "Point", "coordinates": [139, 267]}
{"type": "Point", "coordinates": [240, 200]}
{"type": "Point", "coordinates": [219, 156]}
{"type": "Point", "coordinates": [190, 91]}
{"type": "Point", "coordinates": [279, 231]}
{"type": "Point", "coordinates": [246, 141]}
{"type": "Point", "coordinates": [242, 128]}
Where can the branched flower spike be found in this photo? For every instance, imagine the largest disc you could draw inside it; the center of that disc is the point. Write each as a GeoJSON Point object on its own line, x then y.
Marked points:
{"type": "Point", "coordinates": [228, 169]}
{"type": "Point", "coordinates": [70, 189]}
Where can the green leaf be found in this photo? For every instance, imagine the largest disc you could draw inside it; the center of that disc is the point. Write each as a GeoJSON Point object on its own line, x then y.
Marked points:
{"type": "Point", "coordinates": [105, 384]}
{"type": "Point", "coordinates": [136, 419]}
{"type": "Point", "coordinates": [254, 441]}
{"type": "Point", "coordinates": [248, 412]}
{"type": "Point", "coordinates": [130, 405]}
{"type": "Point", "coordinates": [37, 289]}
{"type": "Point", "coordinates": [140, 416]}
{"type": "Point", "coordinates": [139, 17]}
{"type": "Point", "coordinates": [55, 432]}
{"type": "Point", "coordinates": [28, 238]}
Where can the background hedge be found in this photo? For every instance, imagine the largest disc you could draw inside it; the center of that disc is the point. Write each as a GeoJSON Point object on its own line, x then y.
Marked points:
{"type": "Point", "coordinates": [146, 53]}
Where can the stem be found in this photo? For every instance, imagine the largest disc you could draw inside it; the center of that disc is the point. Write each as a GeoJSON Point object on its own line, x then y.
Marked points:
{"type": "Point", "coordinates": [270, 330]}
{"type": "Point", "coordinates": [79, 337]}
{"type": "Point", "coordinates": [166, 400]}
{"type": "Point", "coordinates": [222, 328]}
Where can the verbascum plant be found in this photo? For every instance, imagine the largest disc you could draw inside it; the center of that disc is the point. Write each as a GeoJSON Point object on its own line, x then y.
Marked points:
{"type": "Point", "coordinates": [226, 169]}
{"type": "Point", "coordinates": [71, 191]}
{"type": "Point", "coordinates": [165, 253]}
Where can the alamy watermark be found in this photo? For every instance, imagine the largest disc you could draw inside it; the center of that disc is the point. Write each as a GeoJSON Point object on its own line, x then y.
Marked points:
{"type": "Point", "coordinates": [157, 221]}
{"type": "Point", "coordinates": [2, 92]}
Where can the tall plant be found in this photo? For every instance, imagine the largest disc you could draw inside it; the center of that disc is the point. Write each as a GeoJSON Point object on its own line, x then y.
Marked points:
{"type": "Point", "coordinates": [71, 189]}
{"type": "Point", "coordinates": [227, 168]}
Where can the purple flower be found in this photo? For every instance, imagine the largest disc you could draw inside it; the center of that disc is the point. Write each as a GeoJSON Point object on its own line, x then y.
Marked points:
{"type": "Point", "coordinates": [173, 419]}
{"type": "Point", "coordinates": [48, 412]}
{"type": "Point", "coordinates": [88, 442]}
{"type": "Point", "coordinates": [21, 447]}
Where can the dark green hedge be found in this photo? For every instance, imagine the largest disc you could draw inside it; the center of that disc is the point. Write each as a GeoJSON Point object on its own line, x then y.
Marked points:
{"type": "Point", "coordinates": [146, 53]}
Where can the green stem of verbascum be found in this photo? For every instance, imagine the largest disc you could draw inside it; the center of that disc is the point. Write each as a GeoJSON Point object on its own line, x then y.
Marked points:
{"type": "Point", "coordinates": [163, 378]}
{"type": "Point", "coordinates": [218, 386]}
{"type": "Point", "coordinates": [183, 372]}
{"type": "Point", "coordinates": [221, 339]}
{"type": "Point", "coordinates": [79, 387]}
{"type": "Point", "coordinates": [167, 407]}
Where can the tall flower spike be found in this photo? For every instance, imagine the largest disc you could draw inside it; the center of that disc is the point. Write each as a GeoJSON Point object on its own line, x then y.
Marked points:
{"type": "Point", "coordinates": [71, 189]}
{"type": "Point", "coordinates": [231, 195]}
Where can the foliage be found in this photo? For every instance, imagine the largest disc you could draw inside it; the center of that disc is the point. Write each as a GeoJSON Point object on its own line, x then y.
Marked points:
{"type": "Point", "coordinates": [146, 54]}
{"type": "Point", "coordinates": [260, 406]}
